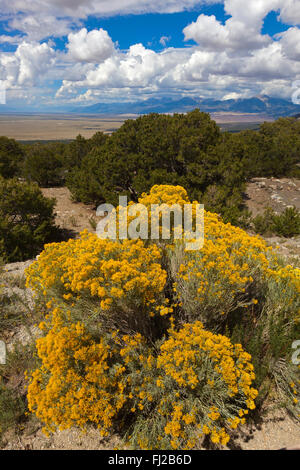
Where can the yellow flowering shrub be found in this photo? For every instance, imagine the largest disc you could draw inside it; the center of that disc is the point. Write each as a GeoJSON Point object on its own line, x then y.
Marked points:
{"type": "Point", "coordinates": [165, 194]}
{"type": "Point", "coordinates": [78, 382]}
{"type": "Point", "coordinates": [232, 271]}
{"type": "Point", "coordinates": [125, 281]}
{"type": "Point", "coordinates": [199, 384]}
{"type": "Point", "coordinates": [157, 211]}
{"type": "Point", "coordinates": [113, 358]}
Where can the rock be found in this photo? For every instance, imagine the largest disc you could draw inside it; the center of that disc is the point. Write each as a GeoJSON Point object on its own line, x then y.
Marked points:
{"type": "Point", "coordinates": [17, 268]}
{"type": "Point", "coordinates": [25, 336]}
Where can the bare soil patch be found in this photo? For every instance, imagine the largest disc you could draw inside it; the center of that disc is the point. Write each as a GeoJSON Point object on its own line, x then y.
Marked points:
{"type": "Point", "coordinates": [275, 431]}
{"type": "Point", "coordinates": [71, 216]}
{"type": "Point", "coordinates": [277, 194]}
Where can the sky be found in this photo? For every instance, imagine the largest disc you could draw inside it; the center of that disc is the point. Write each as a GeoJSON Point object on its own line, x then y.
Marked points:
{"type": "Point", "coordinates": [64, 54]}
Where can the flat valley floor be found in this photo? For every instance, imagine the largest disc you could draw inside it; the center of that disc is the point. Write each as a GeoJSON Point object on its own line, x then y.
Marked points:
{"type": "Point", "coordinates": [56, 126]}
{"type": "Point", "coordinates": [44, 127]}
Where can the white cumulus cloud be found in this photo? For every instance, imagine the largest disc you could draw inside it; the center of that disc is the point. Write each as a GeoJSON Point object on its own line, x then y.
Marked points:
{"type": "Point", "coordinates": [290, 12]}
{"type": "Point", "coordinates": [290, 41]}
{"type": "Point", "coordinates": [227, 59]}
{"type": "Point", "coordinates": [94, 46]}
{"type": "Point", "coordinates": [27, 65]}
{"type": "Point", "coordinates": [39, 26]}
{"type": "Point", "coordinates": [83, 8]}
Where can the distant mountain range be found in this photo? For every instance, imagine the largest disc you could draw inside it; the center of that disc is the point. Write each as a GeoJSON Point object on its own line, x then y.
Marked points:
{"type": "Point", "coordinates": [259, 105]}
{"type": "Point", "coordinates": [273, 107]}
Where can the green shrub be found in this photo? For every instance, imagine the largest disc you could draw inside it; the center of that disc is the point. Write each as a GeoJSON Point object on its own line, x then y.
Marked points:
{"type": "Point", "coordinates": [263, 223]}
{"type": "Point", "coordinates": [48, 164]}
{"type": "Point", "coordinates": [76, 151]}
{"type": "Point", "coordinates": [280, 148]}
{"type": "Point", "coordinates": [159, 149]}
{"type": "Point", "coordinates": [26, 220]}
{"type": "Point", "coordinates": [83, 181]}
{"type": "Point", "coordinates": [11, 157]}
{"type": "Point", "coordinates": [286, 224]}
{"type": "Point", "coordinates": [187, 150]}
{"type": "Point", "coordinates": [44, 164]}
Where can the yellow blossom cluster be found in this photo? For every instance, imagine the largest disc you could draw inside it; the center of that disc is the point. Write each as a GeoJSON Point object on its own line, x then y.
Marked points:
{"type": "Point", "coordinates": [199, 384]}
{"type": "Point", "coordinates": [217, 279]}
{"type": "Point", "coordinates": [158, 211]}
{"type": "Point", "coordinates": [165, 194]}
{"type": "Point", "coordinates": [77, 383]}
{"type": "Point", "coordinates": [295, 390]}
{"type": "Point", "coordinates": [228, 373]}
{"type": "Point", "coordinates": [287, 275]}
{"type": "Point", "coordinates": [126, 275]}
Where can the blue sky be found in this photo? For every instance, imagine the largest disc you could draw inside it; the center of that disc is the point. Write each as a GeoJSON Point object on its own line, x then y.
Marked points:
{"type": "Point", "coordinates": [150, 28]}
{"type": "Point", "coordinates": [64, 53]}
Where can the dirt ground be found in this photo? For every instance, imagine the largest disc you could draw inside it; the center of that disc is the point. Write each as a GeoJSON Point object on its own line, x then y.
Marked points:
{"type": "Point", "coordinates": [276, 431]}
{"type": "Point", "coordinates": [277, 194]}
{"type": "Point", "coordinates": [71, 216]}
{"type": "Point", "coordinates": [33, 438]}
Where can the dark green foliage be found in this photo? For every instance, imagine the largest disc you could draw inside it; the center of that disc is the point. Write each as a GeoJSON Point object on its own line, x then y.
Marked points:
{"type": "Point", "coordinates": [188, 150]}
{"type": "Point", "coordinates": [11, 157]}
{"type": "Point", "coordinates": [97, 140]}
{"type": "Point", "coordinates": [26, 220]}
{"type": "Point", "coordinates": [49, 163]}
{"type": "Point", "coordinates": [44, 164]}
{"type": "Point", "coordinates": [159, 149]}
{"type": "Point", "coordinates": [281, 148]}
{"type": "Point", "coordinates": [184, 149]}
{"type": "Point", "coordinates": [286, 224]}
{"type": "Point", "coordinates": [273, 151]}
{"type": "Point", "coordinates": [263, 223]}
{"type": "Point", "coordinates": [83, 181]}
{"type": "Point", "coordinates": [77, 150]}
